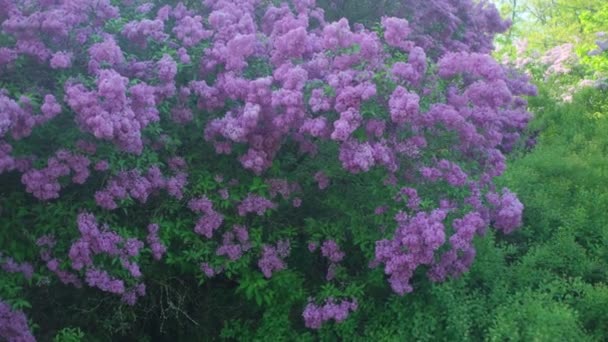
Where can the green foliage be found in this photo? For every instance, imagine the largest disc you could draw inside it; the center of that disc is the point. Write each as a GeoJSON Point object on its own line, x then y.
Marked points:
{"type": "Point", "coordinates": [69, 335]}
{"type": "Point", "coordinates": [534, 318]}
{"type": "Point", "coordinates": [594, 22]}
{"type": "Point", "coordinates": [566, 234]}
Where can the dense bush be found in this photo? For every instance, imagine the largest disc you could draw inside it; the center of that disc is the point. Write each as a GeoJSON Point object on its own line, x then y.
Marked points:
{"type": "Point", "coordinates": [547, 281]}
{"type": "Point", "coordinates": [246, 162]}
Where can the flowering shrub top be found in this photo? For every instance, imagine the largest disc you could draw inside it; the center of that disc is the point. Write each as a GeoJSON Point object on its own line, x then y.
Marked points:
{"type": "Point", "coordinates": [437, 26]}
{"type": "Point", "coordinates": [223, 134]}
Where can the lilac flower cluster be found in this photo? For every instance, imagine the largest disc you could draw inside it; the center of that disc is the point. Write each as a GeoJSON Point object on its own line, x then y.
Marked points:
{"type": "Point", "coordinates": [211, 219]}
{"type": "Point", "coordinates": [107, 52]}
{"type": "Point", "coordinates": [46, 244]}
{"type": "Point", "coordinates": [396, 31]}
{"type": "Point", "coordinates": [95, 240]}
{"type": "Point", "coordinates": [403, 105]}
{"type": "Point", "coordinates": [507, 212]}
{"type": "Point", "coordinates": [357, 157]}
{"type": "Point", "coordinates": [272, 258]}
{"type": "Point", "coordinates": [413, 200]}
{"type": "Point", "coordinates": [140, 187]}
{"type": "Point", "coordinates": [61, 60]}
{"type": "Point", "coordinates": [131, 295]}
{"type": "Point", "coordinates": [255, 204]}
{"type": "Point", "coordinates": [189, 30]}
{"type": "Point", "coordinates": [109, 113]}
{"type": "Point", "coordinates": [7, 162]}
{"type": "Point", "coordinates": [44, 183]}
{"type": "Point", "coordinates": [322, 180]}
{"type": "Point", "coordinates": [315, 316]}
{"type": "Point", "coordinates": [559, 59]}
{"type": "Point", "coordinates": [234, 243]}
{"type": "Point", "coordinates": [13, 325]}
{"type": "Point", "coordinates": [210, 271]}
{"type": "Point", "coordinates": [331, 250]}
{"type": "Point", "coordinates": [9, 265]}
{"type": "Point", "coordinates": [104, 281]}
{"type": "Point", "coordinates": [458, 259]}
{"type": "Point", "coordinates": [412, 71]}
{"type": "Point", "coordinates": [282, 187]}
{"type": "Point", "coordinates": [447, 170]}
{"type": "Point", "coordinates": [18, 117]}
{"type": "Point", "coordinates": [413, 244]}
{"type": "Point", "coordinates": [154, 242]}
{"type": "Point", "coordinates": [139, 32]}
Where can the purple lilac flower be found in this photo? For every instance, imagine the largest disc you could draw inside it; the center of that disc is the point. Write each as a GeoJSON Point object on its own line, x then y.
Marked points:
{"type": "Point", "coordinates": [255, 204]}
{"type": "Point", "coordinates": [272, 258]}
{"type": "Point", "coordinates": [13, 324]}
{"type": "Point", "coordinates": [314, 315]}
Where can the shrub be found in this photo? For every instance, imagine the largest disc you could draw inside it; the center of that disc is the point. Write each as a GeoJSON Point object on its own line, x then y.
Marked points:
{"type": "Point", "coordinates": [173, 157]}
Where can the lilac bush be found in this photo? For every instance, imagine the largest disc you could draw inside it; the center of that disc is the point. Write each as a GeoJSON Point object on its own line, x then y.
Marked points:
{"type": "Point", "coordinates": [245, 129]}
